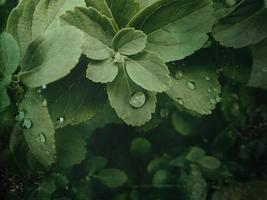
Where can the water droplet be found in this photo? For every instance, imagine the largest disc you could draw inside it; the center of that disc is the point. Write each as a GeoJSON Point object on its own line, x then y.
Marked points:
{"type": "Point", "coordinates": [60, 120]}
{"type": "Point", "coordinates": [41, 138]}
{"type": "Point", "coordinates": [178, 75]}
{"type": "Point", "coordinates": [164, 112]}
{"type": "Point", "coordinates": [26, 123]}
{"type": "Point", "coordinates": [191, 85]}
{"type": "Point", "coordinates": [207, 78]}
{"type": "Point", "coordinates": [44, 102]}
{"type": "Point", "coordinates": [44, 87]}
{"type": "Point", "coordinates": [137, 100]}
{"type": "Point", "coordinates": [180, 101]}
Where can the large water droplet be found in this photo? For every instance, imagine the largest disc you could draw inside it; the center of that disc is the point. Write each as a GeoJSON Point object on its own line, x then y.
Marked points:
{"type": "Point", "coordinates": [137, 100]}
{"type": "Point", "coordinates": [60, 120]}
{"type": "Point", "coordinates": [41, 138]}
{"type": "Point", "coordinates": [191, 85]}
{"type": "Point", "coordinates": [26, 123]}
{"type": "Point", "coordinates": [44, 87]}
{"type": "Point", "coordinates": [179, 75]}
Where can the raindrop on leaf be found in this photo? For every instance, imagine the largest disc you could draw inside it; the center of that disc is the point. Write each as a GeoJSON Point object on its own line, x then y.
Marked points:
{"type": "Point", "coordinates": [41, 138]}
{"type": "Point", "coordinates": [137, 100]}
{"type": "Point", "coordinates": [44, 87]}
{"type": "Point", "coordinates": [207, 78]}
{"type": "Point", "coordinates": [191, 85]}
{"type": "Point", "coordinates": [27, 124]}
{"type": "Point", "coordinates": [164, 112]}
{"type": "Point", "coordinates": [60, 120]}
{"type": "Point", "coordinates": [44, 102]}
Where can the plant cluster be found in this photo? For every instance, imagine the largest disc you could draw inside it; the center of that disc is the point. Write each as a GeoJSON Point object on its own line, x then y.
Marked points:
{"type": "Point", "coordinates": [133, 99]}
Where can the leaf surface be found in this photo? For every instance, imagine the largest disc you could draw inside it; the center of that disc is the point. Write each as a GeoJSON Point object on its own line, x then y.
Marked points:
{"type": "Point", "coordinates": [112, 177]}
{"type": "Point", "coordinates": [51, 56]}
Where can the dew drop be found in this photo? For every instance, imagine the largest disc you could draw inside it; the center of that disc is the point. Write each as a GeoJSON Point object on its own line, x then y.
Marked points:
{"type": "Point", "coordinates": [41, 138]}
{"type": "Point", "coordinates": [179, 75]}
{"type": "Point", "coordinates": [180, 101]}
{"type": "Point", "coordinates": [26, 123]}
{"type": "Point", "coordinates": [191, 85]}
{"type": "Point", "coordinates": [44, 87]}
{"type": "Point", "coordinates": [60, 120]}
{"type": "Point", "coordinates": [137, 100]}
{"type": "Point", "coordinates": [207, 78]}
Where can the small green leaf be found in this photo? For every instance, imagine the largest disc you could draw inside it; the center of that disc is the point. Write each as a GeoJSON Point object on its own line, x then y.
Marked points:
{"type": "Point", "coordinates": [97, 163]}
{"type": "Point", "coordinates": [102, 71]}
{"type": "Point", "coordinates": [97, 28]}
{"type": "Point", "coordinates": [184, 123]}
{"type": "Point", "coordinates": [112, 177]}
{"type": "Point", "coordinates": [71, 146]}
{"type": "Point", "coordinates": [161, 177]}
{"type": "Point", "coordinates": [210, 162]}
{"type": "Point", "coordinates": [259, 68]}
{"type": "Point", "coordinates": [196, 154]}
{"type": "Point", "coordinates": [51, 56]}
{"type": "Point", "coordinates": [39, 133]}
{"type": "Point", "coordinates": [132, 108]}
{"type": "Point", "coordinates": [148, 71]}
{"type": "Point", "coordinates": [129, 41]}
{"type": "Point", "coordinates": [240, 28]}
{"type": "Point", "coordinates": [198, 88]}
{"type": "Point", "coordinates": [140, 146]}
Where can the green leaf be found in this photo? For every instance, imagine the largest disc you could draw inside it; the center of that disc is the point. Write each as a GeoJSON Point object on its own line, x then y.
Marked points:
{"type": "Point", "coordinates": [112, 177]}
{"type": "Point", "coordinates": [145, 3]}
{"type": "Point", "coordinates": [71, 146]}
{"type": "Point", "coordinates": [97, 163]}
{"type": "Point", "coordinates": [258, 77]}
{"type": "Point", "coordinates": [121, 93]}
{"type": "Point", "coordinates": [38, 129]}
{"type": "Point", "coordinates": [74, 99]}
{"type": "Point", "coordinates": [51, 56]}
{"type": "Point", "coordinates": [129, 41]}
{"type": "Point", "coordinates": [101, 6]}
{"type": "Point", "coordinates": [210, 162]}
{"type": "Point", "coordinates": [175, 33]}
{"type": "Point", "coordinates": [195, 154]}
{"type": "Point", "coordinates": [140, 146]}
{"type": "Point", "coordinates": [102, 71]}
{"type": "Point", "coordinates": [161, 177]}
{"type": "Point", "coordinates": [224, 8]}
{"type": "Point", "coordinates": [184, 123]}
{"type": "Point", "coordinates": [31, 18]}
{"type": "Point", "coordinates": [195, 86]}
{"type": "Point", "coordinates": [9, 60]}
{"type": "Point", "coordinates": [148, 71]}
{"type": "Point", "coordinates": [241, 28]}
{"type": "Point", "coordinates": [98, 31]}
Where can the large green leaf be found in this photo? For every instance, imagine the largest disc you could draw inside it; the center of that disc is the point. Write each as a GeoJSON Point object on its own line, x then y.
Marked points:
{"type": "Point", "coordinates": [51, 56]}
{"type": "Point", "coordinates": [175, 28]}
{"type": "Point", "coordinates": [125, 98]}
{"type": "Point", "coordinates": [195, 86]}
{"type": "Point", "coordinates": [112, 177]}
{"type": "Point", "coordinates": [145, 3]}
{"type": "Point", "coordinates": [71, 146]}
{"type": "Point", "coordinates": [148, 71]}
{"type": "Point", "coordinates": [243, 27]}
{"type": "Point", "coordinates": [129, 41]}
{"type": "Point", "coordinates": [9, 60]}
{"type": "Point", "coordinates": [97, 28]}
{"type": "Point", "coordinates": [258, 77]}
{"type": "Point", "coordinates": [38, 128]}
{"type": "Point", "coordinates": [33, 17]}
{"type": "Point", "coordinates": [74, 99]}
{"type": "Point", "coordinates": [102, 71]}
